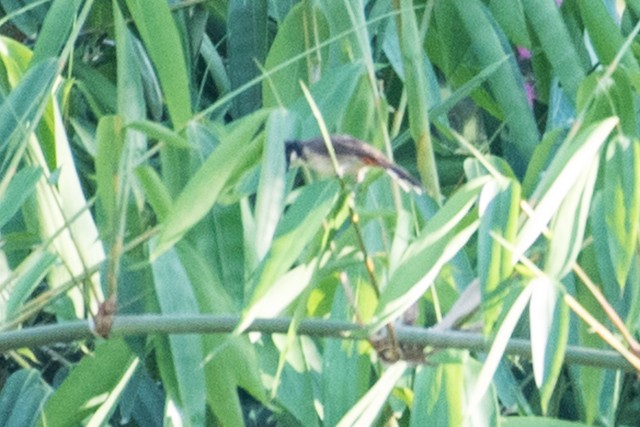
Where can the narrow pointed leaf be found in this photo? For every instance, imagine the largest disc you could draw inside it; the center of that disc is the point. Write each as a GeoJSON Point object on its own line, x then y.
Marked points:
{"type": "Point", "coordinates": [236, 151]}
{"type": "Point", "coordinates": [175, 296]}
{"type": "Point", "coordinates": [622, 198]}
{"type": "Point", "coordinates": [370, 406]}
{"type": "Point", "coordinates": [499, 208]}
{"type": "Point", "coordinates": [444, 235]}
{"type": "Point", "coordinates": [559, 178]}
{"type": "Point", "coordinates": [549, 334]}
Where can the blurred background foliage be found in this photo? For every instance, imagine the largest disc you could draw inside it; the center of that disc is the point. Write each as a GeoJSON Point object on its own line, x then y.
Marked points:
{"type": "Point", "coordinates": [142, 160]}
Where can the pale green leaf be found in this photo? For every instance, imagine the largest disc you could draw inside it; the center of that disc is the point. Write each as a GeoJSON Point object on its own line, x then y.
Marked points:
{"type": "Point", "coordinates": [622, 198]}
{"type": "Point", "coordinates": [236, 151]}
{"type": "Point", "coordinates": [366, 411]}
{"type": "Point", "coordinates": [175, 296]}
{"type": "Point", "coordinates": [88, 385]}
{"type": "Point", "coordinates": [559, 178]}
{"type": "Point", "coordinates": [160, 35]}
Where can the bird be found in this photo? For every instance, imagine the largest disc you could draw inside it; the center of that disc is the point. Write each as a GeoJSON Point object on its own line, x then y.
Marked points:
{"type": "Point", "coordinates": [353, 157]}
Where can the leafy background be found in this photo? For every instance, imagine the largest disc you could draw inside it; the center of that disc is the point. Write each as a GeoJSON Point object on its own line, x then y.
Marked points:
{"type": "Point", "coordinates": [142, 164]}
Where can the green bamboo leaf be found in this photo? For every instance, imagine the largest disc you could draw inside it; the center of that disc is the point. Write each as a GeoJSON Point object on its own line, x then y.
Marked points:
{"type": "Point", "coordinates": [604, 267]}
{"type": "Point", "coordinates": [157, 131]}
{"type": "Point", "coordinates": [591, 381]}
{"type": "Point", "coordinates": [604, 34]}
{"type": "Point", "coordinates": [533, 421]}
{"type": "Point", "coordinates": [17, 192]}
{"type": "Point", "coordinates": [569, 223]}
{"type": "Point", "coordinates": [443, 236]}
{"type": "Point", "coordinates": [93, 382]}
{"type": "Point", "coordinates": [53, 35]}
{"type": "Point", "coordinates": [15, 59]}
{"type": "Point", "coordinates": [142, 399]}
{"type": "Point", "coordinates": [346, 371]}
{"type": "Point", "coordinates": [247, 45]}
{"type": "Point", "coordinates": [549, 328]}
{"type": "Point", "coordinates": [236, 151]}
{"type": "Point", "coordinates": [499, 206]}
{"type": "Point", "coordinates": [101, 93]}
{"type": "Point", "coordinates": [498, 347]}
{"type": "Point", "coordinates": [442, 394]}
{"type": "Point", "coordinates": [333, 95]}
{"type": "Point", "coordinates": [230, 362]}
{"type": "Point", "coordinates": [359, 116]}
{"type": "Point", "coordinates": [297, 391]}
{"type": "Point", "coordinates": [601, 388]}
{"type": "Point", "coordinates": [304, 24]}
{"type": "Point", "coordinates": [622, 198]}
{"type": "Point", "coordinates": [347, 18]}
{"type": "Point", "coordinates": [61, 205]}
{"type": "Point", "coordinates": [541, 159]}
{"type": "Point", "coordinates": [215, 65]}
{"type": "Point", "coordinates": [604, 95]}
{"type": "Point", "coordinates": [366, 411]}
{"type": "Point", "coordinates": [175, 296]}
{"type": "Point", "coordinates": [149, 79]}
{"type": "Point", "coordinates": [510, 15]}
{"type": "Point", "coordinates": [160, 35]}
{"type": "Point", "coordinates": [280, 293]}
{"type": "Point", "coordinates": [547, 23]}
{"type": "Point", "coordinates": [219, 9]}
{"type": "Point", "coordinates": [22, 397]}
{"type": "Point", "coordinates": [271, 188]}
{"type": "Point", "coordinates": [507, 86]}
{"type": "Point", "coordinates": [559, 178]}
{"type": "Point", "coordinates": [231, 263]}
{"type": "Point", "coordinates": [155, 191]}
{"type": "Point", "coordinates": [416, 87]}
{"type": "Point", "coordinates": [131, 103]}
{"type": "Point", "coordinates": [25, 102]}
{"type": "Point", "coordinates": [110, 143]}
{"type": "Point", "coordinates": [393, 52]}
{"type": "Point", "coordinates": [273, 289]}
{"type": "Point", "coordinates": [465, 90]}
{"type": "Point", "coordinates": [27, 17]}
{"type": "Point", "coordinates": [29, 274]}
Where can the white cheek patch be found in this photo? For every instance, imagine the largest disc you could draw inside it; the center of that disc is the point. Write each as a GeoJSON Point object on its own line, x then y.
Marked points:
{"type": "Point", "coordinates": [295, 160]}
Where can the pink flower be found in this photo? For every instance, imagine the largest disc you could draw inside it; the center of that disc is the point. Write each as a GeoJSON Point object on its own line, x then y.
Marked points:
{"type": "Point", "coordinates": [523, 52]}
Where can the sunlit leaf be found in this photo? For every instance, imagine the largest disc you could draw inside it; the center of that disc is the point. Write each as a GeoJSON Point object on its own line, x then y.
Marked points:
{"type": "Point", "coordinates": [444, 235]}
{"type": "Point", "coordinates": [172, 70]}
{"type": "Point", "coordinates": [499, 208]}
{"type": "Point", "coordinates": [89, 384]}
{"type": "Point", "coordinates": [549, 333]}
{"type": "Point", "coordinates": [19, 189]}
{"type": "Point", "coordinates": [299, 225]}
{"type": "Point", "coordinates": [203, 189]}
{"type": "Point", "coordinates": [367, 409]}
{"type": "Point", "coordinates": [622, 198]}
{"type": "Point", "coordinates": [569, 223]}
{"type": "Point", "coordinates": [558, 179]}
{"type": "Point", "coordinates": [271, 188]}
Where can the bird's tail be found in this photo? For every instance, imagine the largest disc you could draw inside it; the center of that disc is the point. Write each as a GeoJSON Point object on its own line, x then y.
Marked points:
{"type": "Point", "coordinates": [404, 179]}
